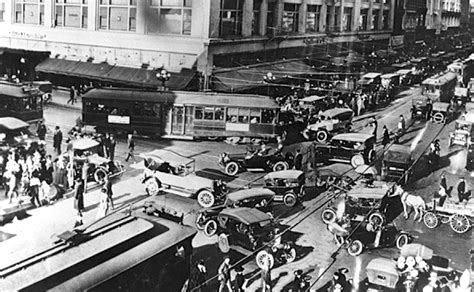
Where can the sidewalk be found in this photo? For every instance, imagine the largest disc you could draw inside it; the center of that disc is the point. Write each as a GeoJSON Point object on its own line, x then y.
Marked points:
{"type": "Point", "coordinates": [60, 98]}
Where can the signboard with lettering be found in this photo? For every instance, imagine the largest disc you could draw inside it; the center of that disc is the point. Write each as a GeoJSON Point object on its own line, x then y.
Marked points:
{"type": "Point", "coordinates": [118, 119]}
{"type": "Point", "coordinates": [237, 127]}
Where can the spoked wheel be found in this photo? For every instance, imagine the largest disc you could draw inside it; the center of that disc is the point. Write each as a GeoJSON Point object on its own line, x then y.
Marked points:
{"type": "Point", "coordinates": [210, 228]}
{"type": "Point", "coordinates": [232, 168]}
{"type": "Point", "coordinates": [205, 199]}
{"type": "Point", "coordinates": [459, 223]}
{"type": "Point", "coordinates": [223, 243]}
{"type": "Point", "coordinates": [280, 165]}
{"type": "Point", "coordinates": [431, 220]}
{"type": "Point", "coordinates": [289, 199]}
{"type": "Point", "coordinates": [152, 187]}
{"type": "Point", "coordinates": [328, 216]}
{"type": "Point", "coordinates": [402, 240]}
{"type": "Point", "coordinates": [357, 160]}
{"type": "Point", "coordinates": [264, 260]}
{"type": "Point", "coordinates": [322, 136]}
{"type": "Point", "coordinates": [376, 219]}
{"type": "Point", "coordinates": [99, 174]}
{"type": "Point", "coordinates": [355, 248]}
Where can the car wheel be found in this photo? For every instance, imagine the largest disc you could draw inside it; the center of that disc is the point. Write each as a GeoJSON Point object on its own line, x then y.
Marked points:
{"type": "Point", "coordinates": [357, 160]}
{"type": "Point", "coordinates": [376, 219]}
{"type": "Point", "coordinates": [210, 228]}
{"type": "Point", "coordinates": [322, 136]}
{"type": "Point", "coordinates": [371, 156]}
{"type": "Point", "coordinates": [328, 216]}
{"type": "Point", "coordinates": [280, 165]}
{"type": "Point", "coordinates": [99, 174]}
{"type": "Point", "coordinates": [205, 199]}
{"type": "Point", "coordinates": [438, 118]}
{"type": "Point", "coordinates": [264, 260]}
{"type": "Point", "coordinates": [152, 187]}
{"type": "Point", "coordinates": [223, 243]}
{"type": "Point", "coordinates": [355, 248]}
{"type": "Point", "coordinates": [339, 240]}
{"type": "Point", "coordinates": [402, 240]}
{"type": "Point", "coordinates": [212, 138]}
{"type": "Point", "coordinates": [289, 199]}
{"type": "Point", "coordinates": [232, 168]}
{"type": "Point", "coordinates": [302, 191]}
{"type": "Point", "coordinates": [291, 255]}
{"type": "Point", "coordinates": [200, 221]}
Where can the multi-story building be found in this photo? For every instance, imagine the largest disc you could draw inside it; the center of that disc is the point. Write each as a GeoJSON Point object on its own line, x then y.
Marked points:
{"type": "Point", "coordinates": [450, 14]}
{"type": "Point", "coordinates": [202, 35]}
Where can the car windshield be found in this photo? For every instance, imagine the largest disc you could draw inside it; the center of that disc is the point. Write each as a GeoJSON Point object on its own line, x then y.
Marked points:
{"type": "Point", "coordinates": [85, 152]}
{"type": "Point", "coordinates": [348, 144]}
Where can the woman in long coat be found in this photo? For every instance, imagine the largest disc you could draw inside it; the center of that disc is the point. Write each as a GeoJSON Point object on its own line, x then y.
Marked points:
{"type": "Point", "coordinates": [79, 195]}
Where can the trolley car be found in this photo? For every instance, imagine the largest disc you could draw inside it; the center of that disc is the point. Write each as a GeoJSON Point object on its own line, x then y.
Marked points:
{"type": "Point", "coordinates": [181, 115]}
{"type": "Point", "coordinates": [128, 250]}
{"type": "Point", "coordinates": [21, 102]}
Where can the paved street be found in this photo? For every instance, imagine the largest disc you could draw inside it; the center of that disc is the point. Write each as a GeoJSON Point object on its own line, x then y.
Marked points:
{"type": "Point", "coordinates": [315, 246]}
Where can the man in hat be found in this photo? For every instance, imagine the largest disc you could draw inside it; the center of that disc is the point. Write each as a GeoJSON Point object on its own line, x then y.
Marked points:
{"type": "Point", "coordinates": [239, 280]}
{"type": "Point", "coordinates": [462, 194]}
{"type": "Point", "coordinates": [224, 275]}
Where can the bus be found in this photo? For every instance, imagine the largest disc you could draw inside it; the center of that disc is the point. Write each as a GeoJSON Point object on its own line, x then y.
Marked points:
{"type": "Point", "coordinates": [440, 87]}
{"type": "Point", "coordinates": [21, 101]}
{"type": "Point", "coordinates": [181, 114]}
{"type": "Point", "coordinates": [464, 69]}
{"type": "Point", "coordinates": [132, 249]}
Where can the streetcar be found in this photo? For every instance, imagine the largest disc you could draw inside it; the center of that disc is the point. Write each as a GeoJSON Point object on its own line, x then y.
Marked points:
{"type": "Point", "coordinates": [440, 87]}
{"type": "Point", "coordinates": [464, 69]}
{"type": "Point", "coordinates": [181, 115]}
{"type": "Point", "coordinates": [133, 249]}
{"type": "Point", "coordinates": [23, 102]}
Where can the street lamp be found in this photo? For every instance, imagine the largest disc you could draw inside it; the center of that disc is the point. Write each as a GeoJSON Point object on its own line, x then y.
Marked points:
{"type": "Point", "coordinates": [269, 78]}
{"type": "Point", "coordinates": [163, 76]}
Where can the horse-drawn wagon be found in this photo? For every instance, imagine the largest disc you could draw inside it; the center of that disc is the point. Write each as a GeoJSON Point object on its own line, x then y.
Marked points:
{"type": "Point", "coordinates": [460, 216]}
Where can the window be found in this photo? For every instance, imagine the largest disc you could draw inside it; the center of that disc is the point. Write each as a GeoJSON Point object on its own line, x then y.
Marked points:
{"type": "Point", "coordinates": [29, 11]}
{"type": "Point", "coordinates": [328, 18]}
{"type": "Point", "coordinates": [255, 116]}
{"type": "Point", "coordinates": [375, 19]}
{"type": "Point", "coordinates": [209, 113]}
{"type": "Point", "coordinates": [256, 17]}
{"type": "Point", "coordinates": [270, 18]}
{"type": "Point", "coordinates": [363, 19]}
{"type": "Point", "coordinates": [170, 17]}
{"type": "Point", "coordinates": [289, 22]}
{"type": "Point", "coordinates": [2, 11]}
{"type": "Point", "coordinates": [117, 15]}
{"type": "Point", "coordinates": [198, 113]}
{"type": "Point", "coordinates": [268, 116]}
{"type": "Point", "coordinates": [347, 19]}
{"type": "Point", "coordinates": [312, 18]}
{"type": "Point", "coordinates": [232, 114]}
{"type": "Point", "coordinates": [231, 17]}
{"type": "Point", "coordinates": [71, 13]}
{"type": "Point", "coordinates": [244, 115]}
{"type": "Point", "coordinates": [385, 19]}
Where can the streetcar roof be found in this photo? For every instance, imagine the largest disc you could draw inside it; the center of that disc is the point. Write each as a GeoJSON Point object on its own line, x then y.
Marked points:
{"type": "Point", "coordinates": [183, 98]}
{"type": "Point", "coordinates": [371, 75]}
{"type": "Point", "coordinates": [390, 75]}
{"type": "Point", "coordinates": [98, 254]}
{"type": "Point", "coordinates": [18, 91]}
{"type": "Point", "coordinates": [288, 174]}
{"type": "Point", "coordinates": [11, 123]}
{"type": "Point", "coordinates": [441, 79]}
{"type": "Point", "coordinates": [174, 159]}
{"type": "Point", "coordinates": [251, 193]}
{"type": "Point", "coordinates": [248, 216]}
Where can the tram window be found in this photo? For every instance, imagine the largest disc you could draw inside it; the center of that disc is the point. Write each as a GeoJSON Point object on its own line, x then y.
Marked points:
{"type": "Point", "coordinates": [219, 114]}
{"type": "Point", "coordinates": [255, 116]}
{"type": "Point", "coordinates": [268, 116]}
{"type": "Point", "coordinates": [232, 115]}
{"type": "Point", "coordinates": [209, 113]}
{"type": "Point", "coordinates": [198, 113]}
{"type": "Point", "coordinates": [244, 115]}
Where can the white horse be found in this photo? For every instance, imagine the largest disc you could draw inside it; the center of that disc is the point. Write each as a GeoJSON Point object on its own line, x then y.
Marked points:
{"type": "Point", "coordinates": [409, 200]}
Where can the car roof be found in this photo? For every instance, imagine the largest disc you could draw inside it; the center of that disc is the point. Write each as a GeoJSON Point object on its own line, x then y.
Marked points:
{"type": "Point", "coordinates": [356, 137]}
{"type": "Point", "coordinates": [11, 123]}
{"type": "Point", "coordinates": [384, 265]}
{"type": "Point", "coordinates": [369, 192]}
{"type": "Point", "coordinates": [250, 193]}
{"type": "Point", "coordinates": [289, 174]}
{"type": "Point", "coordinates": [371, 75]}
{"type": "Point", "coordinates": [403, 71]}
{"type": "Point", "coordinates": [84, 143]}
{"type": "Point", "coordinates": [441, 106]}
{"type": "Point", "coordinates": [389, 75]}
{"type": "Point", "coordinates": [171, 157]}
{"type": "Point", "coordinates": [336, 111]}
{"type": "Point", "coordinates": [313, 98]}
{"type": "Point", "coordinates": [398, 153]}
{"type": "Point", "coordinates": [246, 215]}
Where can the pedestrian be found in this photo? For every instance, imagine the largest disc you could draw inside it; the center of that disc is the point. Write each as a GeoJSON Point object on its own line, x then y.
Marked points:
{"type": "Point", "coordinates": [298, 160]}
{"type": "Point", "coordinates": [131, 148]}
{"type": "Point", "coordinates": [429, 109]}
{"type": "Point", "coordinates": [201, 276]}
{"type": "Point", "coordinates": [108, 187]}
{"type": "Point", "coordinates": [85, 174]}
{"type": "Point", "coordinates": [103, 204]}
{"type": "Point", "coordinates": [107, 145]}
{"type": "Point", "coordinates": [462, 194]}
{"type": "Point", "coordinates": [375, 126]}
{"type": "Point", "coordinates": [296, 284]}
{"type": "Point", "coordinates": [12, 169]}
{"type": "Point", "coordinates": [72, 95]}
{"type": "Point", "coordinates": [239, 280]}
{"type": "Point", "coordinates": [386, 136]}
{"type": "Point", "coordinates": [224, 275]}
{"type": "Point", "coordinates": [443, 195]}
{"type": "Point", "coordinates": [79, 220]}
{"type": "Point", "coordinates": [34, 188]}
{"type": "Point", "coordinates": [79, 195]}
{"type": "Point", "coordinates": [112, 144]}
{"type": "Point", "coordinates": [443, 182]}
{"type": "Point", "coordinates": [41, 131]}
{"type": "Point", "coordinates": [401, 125]}
{"type": "Point", "coordinates": [57, 140]}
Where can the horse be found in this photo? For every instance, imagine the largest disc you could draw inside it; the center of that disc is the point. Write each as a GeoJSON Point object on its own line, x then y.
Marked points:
{"type": "Point", "coordinates": [409, 200]}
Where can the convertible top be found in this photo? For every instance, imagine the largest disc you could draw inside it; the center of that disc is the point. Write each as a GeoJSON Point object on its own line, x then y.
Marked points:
{"type": "Point", "coordinates": [335, 111]}
{"type": "Point", "coordinates": [355, 137]}
{"type": "Point", "coordinates": [398, 153]}
{"type": "Point", "coordinates": [246, 215]}
{"type": "Point", "coordinates": [85, 143]}
{"type": "Point", "coordinates": [174, 159]}
{"type": "Point", "coordinates": [11, 123]}
{"type": "Point", "coordinates": [441, 106]}
{"type": "Point", "coordinates": [377, 192]}
{"type": "Point", "coordinates": [250, 193]}
{"type": "Point", "coordinates": [289, 174]}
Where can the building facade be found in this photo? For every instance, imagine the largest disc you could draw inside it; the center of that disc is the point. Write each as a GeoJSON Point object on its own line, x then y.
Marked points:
{"type": "Point", "coordinates": [186, 34]}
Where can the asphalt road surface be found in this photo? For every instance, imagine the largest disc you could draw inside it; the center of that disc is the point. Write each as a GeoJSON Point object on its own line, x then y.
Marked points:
{"type": "Point", "coordinates": [318, 255]}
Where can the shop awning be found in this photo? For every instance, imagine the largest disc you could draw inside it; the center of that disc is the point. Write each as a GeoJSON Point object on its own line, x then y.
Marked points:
{"type": "Point", "coordinates": [242, 78]}
{"type": "Point", "coordinates": [115, 74]}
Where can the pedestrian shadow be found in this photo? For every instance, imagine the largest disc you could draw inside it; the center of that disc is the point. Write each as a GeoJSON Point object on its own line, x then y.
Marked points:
{"type": "Point", "coordinates": [95, 205]}
{"type": "Point", "coordinates": [291, 287]}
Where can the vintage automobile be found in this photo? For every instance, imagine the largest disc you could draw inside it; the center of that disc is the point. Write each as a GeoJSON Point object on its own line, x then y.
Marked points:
{"type": "Point", "coordinates": [396, 161]}
{"type": "Point", "coordinates": [253, 160]}
{"type": "Point", "coordinates": [330, 122]}
{"type": "Point", "coordinates": [288, 185]}
{"type": "Point", "coordinates": [420, 107]}
{"type": "Point", "coordinates": [258, 198]}
{"type": "Point", "coordinates": [168, 169]}
{"type": "Point", "coordinates": [86, 149]}
{"type": "Point", "coordinates": [382, 274]}
{"type": "Point", "coordinates": [313, 103]}
{"type": "Point", "coordinates": [390, 82]}
{"type": "Point", "coordinates": [338, 175]}
{"type": "Point", "coordinates": [360, 237]}
{"type": "Point", "coordinates": [369, 81]}
{"type": "Point", "coordinates": [441, 113]}
{"type": "Point", "coordinates": [248, 230]}
{"type": "Point", "coordinates": [355, 148]}
{"type": "Point", "coordinates": [461, 134]}
{"type": "Point", "coordinates": [374, 202]}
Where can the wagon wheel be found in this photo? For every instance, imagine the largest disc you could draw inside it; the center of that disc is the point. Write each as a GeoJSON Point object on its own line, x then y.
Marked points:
{"type": "Point", "coordinates": [459, 223]}
{"type": "Point", "coordinates": [431, 220]}
{"type": "Point", "coordinates": [438, 118]}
